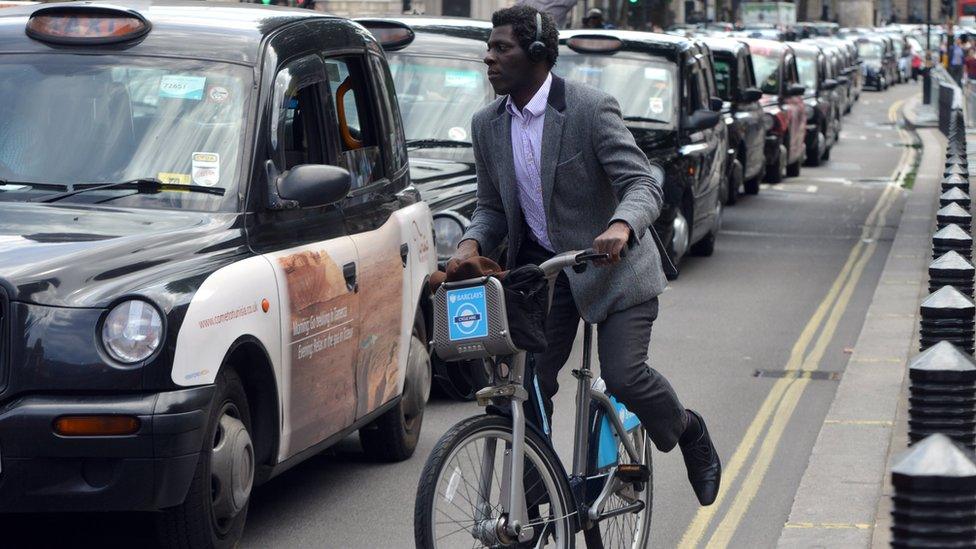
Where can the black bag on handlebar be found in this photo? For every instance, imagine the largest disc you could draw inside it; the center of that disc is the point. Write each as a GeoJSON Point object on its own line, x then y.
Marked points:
{"type": "Point", "coordinates": [526, 307]}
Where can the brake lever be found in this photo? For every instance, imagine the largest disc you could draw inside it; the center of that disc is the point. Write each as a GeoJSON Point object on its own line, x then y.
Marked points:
{"type": "Point", "coordinates": [584, 259]}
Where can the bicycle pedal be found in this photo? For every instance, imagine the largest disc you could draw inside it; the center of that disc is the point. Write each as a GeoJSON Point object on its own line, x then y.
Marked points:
{"type": "Point", "coordinates": [632, 472]}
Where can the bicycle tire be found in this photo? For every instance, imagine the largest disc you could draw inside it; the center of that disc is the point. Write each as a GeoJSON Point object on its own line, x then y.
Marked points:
{"type": "Point", "coordinates": [602, 535]}
{"type": "Point", "coordinates": [434, 485]}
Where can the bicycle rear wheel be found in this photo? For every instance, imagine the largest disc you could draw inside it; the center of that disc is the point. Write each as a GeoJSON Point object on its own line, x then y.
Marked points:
{"type": "Point", "coordinates": [459, 498]}
{"type": "Point", "coordinates": [627, 530]}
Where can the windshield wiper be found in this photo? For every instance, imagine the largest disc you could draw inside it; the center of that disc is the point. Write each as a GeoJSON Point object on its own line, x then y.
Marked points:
{"type": "Point", "coordinates": [144, 185]}
{"type": "Point", "coordinates": [33, 184]}
{"type": "Point", "coordinates": [432, 143]}
{"type": "Point", "coordinates": [643, 119]}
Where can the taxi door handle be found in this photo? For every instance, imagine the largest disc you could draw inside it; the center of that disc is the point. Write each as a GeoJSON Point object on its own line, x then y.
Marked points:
{"type": "Point", "coordinates": [349, 273]}
{"type": "Point", "coordinates": [404, 251]}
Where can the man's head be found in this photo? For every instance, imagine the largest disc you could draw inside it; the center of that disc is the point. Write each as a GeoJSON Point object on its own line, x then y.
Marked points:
{"type": "Point", "coordinates": [593, 19]}
{"type": "Point", "coordinates": [510, 67]}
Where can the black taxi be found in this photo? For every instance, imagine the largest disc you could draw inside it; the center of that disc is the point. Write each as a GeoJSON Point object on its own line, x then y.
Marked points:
{"type": "Point", "coordinates": [666, 89]}
{"type": "Point", "coordinates": [823, 103]}
{"type": "Point", "coordinates": [736, 85]}
{"type": "Point", "coordinates": [439, 73]}
{"type": "Point", "coordinates": [211, 257]}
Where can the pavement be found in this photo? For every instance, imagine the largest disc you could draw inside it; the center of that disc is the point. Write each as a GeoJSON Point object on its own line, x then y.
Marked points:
{"type": "Point", "coordinates": [759, 338]}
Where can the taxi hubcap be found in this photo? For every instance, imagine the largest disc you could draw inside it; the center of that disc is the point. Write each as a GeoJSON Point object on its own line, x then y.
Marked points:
{"type": "Point", "coordinates": [416, 388]}
{"type": "Point", "coordinates": [231, 467]}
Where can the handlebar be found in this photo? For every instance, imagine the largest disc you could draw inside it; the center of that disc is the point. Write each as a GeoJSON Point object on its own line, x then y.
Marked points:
{"type": "Point", "coordinates": [556, 264]}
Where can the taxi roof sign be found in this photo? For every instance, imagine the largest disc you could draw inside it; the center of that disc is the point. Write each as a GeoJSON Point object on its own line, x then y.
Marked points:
{"type": "Point", "coordinates": [392, 35]}
{"type": "Point", "coordinates": [86, 24]}
{"type": "Point", "coordinates": [594, 43]}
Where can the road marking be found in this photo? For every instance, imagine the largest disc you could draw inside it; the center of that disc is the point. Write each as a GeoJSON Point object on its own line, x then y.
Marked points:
{"type": "Point", "coordinates": [868, 422]}
{"type": "Point", "coordinates": [783, 397]}
{"type": "Point", "coordinates": [811, 188]}
{"type": "Point", "coordinates": [830, 525]}
{"type": "Point", "coordinates": [784, 412]}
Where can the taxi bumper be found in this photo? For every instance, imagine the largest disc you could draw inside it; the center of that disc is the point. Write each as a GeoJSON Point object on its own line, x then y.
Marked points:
{"type": "Point", "coordinates": [148, 470]}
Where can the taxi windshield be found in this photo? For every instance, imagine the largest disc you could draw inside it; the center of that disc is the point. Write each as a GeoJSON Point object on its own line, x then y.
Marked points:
{"type": "Point", "coordinates": [68, 122]}
{"type": "Point", "coordinates": [765, 63]}
{"type": "Point", "coordinates": [806, 65]}
{"type": "Point", "coordinates": [645, 87]}
{"type": "Point", "coordinates": [438, 96]}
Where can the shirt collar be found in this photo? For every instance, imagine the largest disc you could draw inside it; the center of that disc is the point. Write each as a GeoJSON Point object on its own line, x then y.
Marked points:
{"type": "Point", "coordinates": [536, 106]}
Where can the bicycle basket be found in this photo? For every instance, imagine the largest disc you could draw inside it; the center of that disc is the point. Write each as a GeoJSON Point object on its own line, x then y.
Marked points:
{"type": "Point", "coordinates": [470, 321]}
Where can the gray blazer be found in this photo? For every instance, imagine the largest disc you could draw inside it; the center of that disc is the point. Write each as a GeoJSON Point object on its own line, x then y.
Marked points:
{"type": "Point", "coordinates": [593, 173]}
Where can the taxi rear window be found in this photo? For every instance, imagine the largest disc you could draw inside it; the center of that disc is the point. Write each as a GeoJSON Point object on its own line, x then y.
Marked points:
{"type": "Point", "coordinates": [75, 120]}
{"type": "Point", "coordinates": [644, 87]}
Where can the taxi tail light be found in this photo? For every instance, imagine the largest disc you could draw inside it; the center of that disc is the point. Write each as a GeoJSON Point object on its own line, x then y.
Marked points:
{"type": "Point", "coordinates": [96, 425]}
{"type": "Point", "coordinates": [83, 25]}
{"type": "Point", "coordinates": [390, 35]}
{"type": "Point", "coordinates": [594, 44]}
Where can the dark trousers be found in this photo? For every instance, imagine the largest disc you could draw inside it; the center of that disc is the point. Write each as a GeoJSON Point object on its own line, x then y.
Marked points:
{"type": "Point", "coordinates": [622, 345]}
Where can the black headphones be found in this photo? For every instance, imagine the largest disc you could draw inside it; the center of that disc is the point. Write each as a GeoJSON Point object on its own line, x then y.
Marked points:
{"type": "Point", "coordinates": [537, 49]}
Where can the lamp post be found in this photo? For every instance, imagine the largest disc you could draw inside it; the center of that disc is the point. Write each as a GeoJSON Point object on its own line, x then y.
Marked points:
{"type": "Point", "coordinates": [927, 75]}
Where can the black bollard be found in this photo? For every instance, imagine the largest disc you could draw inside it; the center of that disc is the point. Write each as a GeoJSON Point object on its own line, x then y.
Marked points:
{"type": "Point", "coordinates": [952, 238]}
{"type": "Point", "coordinates": [955, 196]}
{"type": "Point", "coordinates": [942, 395]}
{"type": "Point", "coordinates": [952, 269]}
{"type": "Point", "coordinates": [953, 213]}
{"type": "Point", "coordinates": [956, 181]}
{"type": "Point", "coordinates": [947, 315]}
{"type": "Point", "coordinates": [956, 169]}
{"type": "Point", "coordinates": [934, 497]}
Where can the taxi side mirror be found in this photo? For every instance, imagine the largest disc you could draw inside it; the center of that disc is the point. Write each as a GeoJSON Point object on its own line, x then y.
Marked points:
{"type": "Point", "coordinates": [702, 119]}
{"type": "Point", "coordinates": [715, 103]}
{"type": "Point", "coordinates": [750, 95]}
{"type": "Point", "coordinates": [312, 185]}
{"type": "Point", "coordinates": [828, 84]}
{"type": "Point", "coordinates": [795, 89]}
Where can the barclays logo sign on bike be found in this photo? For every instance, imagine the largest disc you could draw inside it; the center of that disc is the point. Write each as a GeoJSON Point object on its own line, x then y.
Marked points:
{"type": "Point", "coordinates": [467, 313]}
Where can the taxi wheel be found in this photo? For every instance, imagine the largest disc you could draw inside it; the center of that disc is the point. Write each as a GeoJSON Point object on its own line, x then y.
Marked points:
{"type": "Point", "coordinates": [735, 183]}
{"type": "Point", "coordinates": [215, 508]}
{"type": "Point", "coordinates": [393, 436]}
{"type": "Point", "coordinates": [776, 172]}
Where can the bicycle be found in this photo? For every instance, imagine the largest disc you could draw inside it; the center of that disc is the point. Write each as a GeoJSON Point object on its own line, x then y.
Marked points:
{"type": "Point", "coordinates": [495, 481]}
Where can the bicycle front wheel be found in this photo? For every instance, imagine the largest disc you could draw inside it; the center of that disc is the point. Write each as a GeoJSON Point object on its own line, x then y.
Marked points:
{"type": "Point", "coordinates": [459, 499]}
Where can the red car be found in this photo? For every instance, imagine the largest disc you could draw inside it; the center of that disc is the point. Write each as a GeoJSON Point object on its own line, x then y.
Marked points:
{"type": "Point", "coordinates": [785, 117]}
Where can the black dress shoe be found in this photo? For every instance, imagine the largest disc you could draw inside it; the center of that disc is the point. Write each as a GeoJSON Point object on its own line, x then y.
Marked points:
{"type": "Point", "coordinates": [704, 467]}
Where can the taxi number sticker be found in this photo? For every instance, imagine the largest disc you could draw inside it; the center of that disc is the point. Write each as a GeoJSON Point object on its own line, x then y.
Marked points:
{"type": "Point", "coordinates": [655, 73]}
{"type": "Point", "coordinates": [461, 79]}
{"type": "Point", "coordinates": [467, 313]}
{"type": "Point", "coordinates": [206, 168]}
{"type": "Point", "coordinates": [177, 86]}
{"type": "Point", "coordinates": [174, 178]}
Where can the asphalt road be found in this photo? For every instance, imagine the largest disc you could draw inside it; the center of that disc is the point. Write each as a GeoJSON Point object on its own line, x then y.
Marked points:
{"type": "Point", "coordinates": [810, 248]}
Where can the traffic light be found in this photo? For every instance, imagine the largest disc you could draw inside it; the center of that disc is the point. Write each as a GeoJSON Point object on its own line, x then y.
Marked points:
{"type": "Point", "coordinates": [946, 7]}
{"type": "Point", "coordinates": [633, 1]}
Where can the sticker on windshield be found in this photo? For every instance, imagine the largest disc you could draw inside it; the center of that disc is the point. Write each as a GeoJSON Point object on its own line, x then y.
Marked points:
{"type": "Point", "coordinates": [177, 86]}
{"type": "Point", "coordinates": [655, 73]}
{"type": "Point", "coordinates": [206, 168]}
{"type": "Point", "coordinates": [217, 94]}
{"type": "Point", "coordinates": [461, 79]}
{"type": "Point", "coordinates": [656, 105]}
{"type": "Point", "coordinates": [174, 178]}
{"type": "Point", "coordinates": [457, 133]}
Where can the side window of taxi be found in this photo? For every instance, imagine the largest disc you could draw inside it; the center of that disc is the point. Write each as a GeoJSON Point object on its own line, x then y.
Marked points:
{"type": "Point", "coordinates": [354, 117]}
{"type": "Point", "coordinates": [297, 135]}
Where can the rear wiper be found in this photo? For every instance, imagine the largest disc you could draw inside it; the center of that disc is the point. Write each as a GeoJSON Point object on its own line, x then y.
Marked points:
{"type": "Point", "coordinates": [643, 119]}
{"type": "Point", "coordinates": [144, 185]}
{"type": "Point", "coordinates": [430, 143]}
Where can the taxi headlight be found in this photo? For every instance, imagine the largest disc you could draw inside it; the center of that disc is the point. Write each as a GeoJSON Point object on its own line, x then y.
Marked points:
{"type": "Point", "coordinates": [448, 230]}
{"type": "Point", "coordinates": [768, 122]}
{"type": "Point", "coordinates": [132, 331]}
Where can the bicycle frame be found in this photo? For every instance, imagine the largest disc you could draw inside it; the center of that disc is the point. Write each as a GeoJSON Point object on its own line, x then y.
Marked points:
{"type": "Point", "coordinates": [511, 388]}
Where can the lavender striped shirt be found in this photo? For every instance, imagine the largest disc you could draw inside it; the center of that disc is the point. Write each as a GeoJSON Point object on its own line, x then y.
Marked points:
{"type": "Point", "coordinates": [527, 151]}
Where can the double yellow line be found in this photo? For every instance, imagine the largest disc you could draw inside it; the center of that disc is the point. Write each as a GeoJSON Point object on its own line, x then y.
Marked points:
{"type": "Point", "coordinates": [782, 400]}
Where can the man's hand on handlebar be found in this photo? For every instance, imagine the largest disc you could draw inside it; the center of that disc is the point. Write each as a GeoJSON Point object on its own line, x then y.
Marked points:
{"type": "Point", "coordinates": [612, 242]}
{"type": "Point", "coordinates": [466, 249]}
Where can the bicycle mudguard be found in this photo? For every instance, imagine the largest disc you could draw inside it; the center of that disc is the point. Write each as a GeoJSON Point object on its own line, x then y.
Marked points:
{"type": "Point", "coordinates": [606, 438]}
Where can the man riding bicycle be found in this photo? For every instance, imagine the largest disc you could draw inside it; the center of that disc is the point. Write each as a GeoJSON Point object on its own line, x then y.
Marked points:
{"type": "Point", "coordinates": [558, 170]}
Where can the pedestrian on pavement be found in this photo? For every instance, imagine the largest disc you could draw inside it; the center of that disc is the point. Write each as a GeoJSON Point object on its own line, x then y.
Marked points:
{"type": "Point", "coordinates": [557, 170]}
{"type": "Point", "coordinates": [594, 19]}
{"type": "Point", "coordinates": [970, 64]}
{"type": "Point", "coordinates": [956, 60]}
